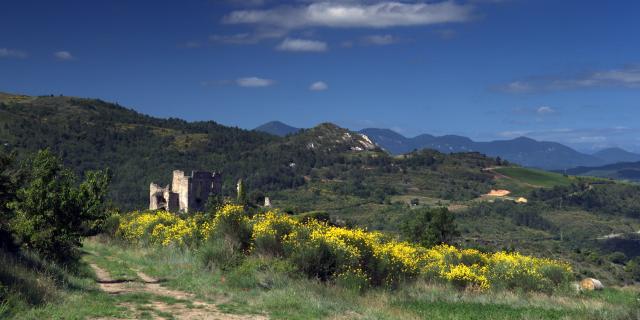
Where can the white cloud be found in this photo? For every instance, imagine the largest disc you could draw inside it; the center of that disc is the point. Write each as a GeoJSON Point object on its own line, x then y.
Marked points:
{"type": "Point", "coordinates": [380, 39]}
{"type": "Point", "coordinates": [354, 14]}
{"type": "Point", "coordinates": [318, 86]}
{"type": "Point", "coordinates": [249, 38]}
{"type": "Point", "coordinates": [626, 77]}
{"type": "Point", "coordinates": [516, 87]}
{"type": "Point", "coordinates": [12, 53]}
{"type": "Point", "coordinates": [545, 110]}
{"type": "Point", "coordinates": [254, 82]}
{"type": "Point", "coordinates": [63, 55]}
{"type": "Point", "coordinates": [290, 44]}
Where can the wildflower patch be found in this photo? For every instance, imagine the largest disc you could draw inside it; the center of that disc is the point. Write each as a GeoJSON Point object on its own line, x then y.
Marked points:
{"type": "Point", "coordinates": [354, 257]}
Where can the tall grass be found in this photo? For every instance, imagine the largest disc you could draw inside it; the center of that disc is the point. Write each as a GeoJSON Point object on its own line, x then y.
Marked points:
{"type": "Point", "coordinates": [263, 284]}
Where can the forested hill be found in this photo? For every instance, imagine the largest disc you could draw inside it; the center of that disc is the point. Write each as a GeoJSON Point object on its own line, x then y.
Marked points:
{"type": "Point", "coordinates": [138, 149]}
{"type": "Point", "coordinates": [91, 134]}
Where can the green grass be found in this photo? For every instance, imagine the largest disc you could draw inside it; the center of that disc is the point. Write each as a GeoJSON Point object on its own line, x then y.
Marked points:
{"type": "Point", "coordinates": [535, 178]}
{"type": "Point", "coordinates": [466, 310]}
{"type": "Point", "coordinates": [262, 285]}
{"type": "Point", "coordinates": [258, 286]}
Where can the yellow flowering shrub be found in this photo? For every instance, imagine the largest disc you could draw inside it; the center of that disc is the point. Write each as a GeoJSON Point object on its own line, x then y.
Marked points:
{"type": "Point", "coordinates": [350, 256]}
{"type": "Point", "coordinates": [162, 227]}
{"type": "Point", "coordinates": [353, 278]}
{"type": "Point", "coordinates": [464, 276]}
{"type": "Point", "coordinates": [233, 224]}
{"type": "Point", "coordinates": [271, 231]}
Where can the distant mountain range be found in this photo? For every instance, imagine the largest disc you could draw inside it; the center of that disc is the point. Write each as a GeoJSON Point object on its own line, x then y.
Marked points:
{"type": "Point", "coordinates": [621, 170]}
{"type": "Point", "coordinates": [613, 155]}
{"type": "Point", "coordinates": [277, 128]}
{"type": "Point", "coordinates": [524, 151]}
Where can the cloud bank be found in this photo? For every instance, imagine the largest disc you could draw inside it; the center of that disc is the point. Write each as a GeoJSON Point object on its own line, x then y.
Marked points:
{"type": "Point", "coordinates": [626, 77]}
{"type": "Point", "coordinates": [301, 45]}
{"type": "Point", "coordinates": [353, 14]}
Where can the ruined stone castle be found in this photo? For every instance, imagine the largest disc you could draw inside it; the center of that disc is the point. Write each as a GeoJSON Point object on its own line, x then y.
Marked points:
{"type": "Point", "coordinates": [185, 193]}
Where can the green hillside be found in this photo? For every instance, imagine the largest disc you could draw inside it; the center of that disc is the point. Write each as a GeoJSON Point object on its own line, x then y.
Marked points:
{"type": "Point", "coordinates": [326, 173]}
{"type": "Point", "coordinates": [534, 177]}
{"type": "Point", "coordinates": [139, 149]}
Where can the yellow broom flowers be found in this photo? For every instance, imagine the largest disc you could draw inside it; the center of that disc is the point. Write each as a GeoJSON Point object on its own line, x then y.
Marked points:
{"type": "Point", "coordinates": [366, 256]}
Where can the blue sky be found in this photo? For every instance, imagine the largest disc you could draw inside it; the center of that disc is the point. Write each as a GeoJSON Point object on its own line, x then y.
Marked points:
{"type": "Point", "coordinates": [566, 71]}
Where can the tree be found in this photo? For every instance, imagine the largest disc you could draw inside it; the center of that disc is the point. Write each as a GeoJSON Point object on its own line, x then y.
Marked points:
{"type": "Point", "coordinates": [52, 212]}
{"type": "Point", "coordinates": [633, 268]}
{"type": "Point", "coordinates": [430, 227]}
{"type": "Point", "coordinates": [7, 194]}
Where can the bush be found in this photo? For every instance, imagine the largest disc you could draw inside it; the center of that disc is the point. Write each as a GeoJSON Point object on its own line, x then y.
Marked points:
{"type": "Point", "coordinates": [430, 227]}
{"type": "Point", "coordinates": [270, 232]}
{"type": "Point", "coordinates": [233, 224]}
{"type": "Point", "coordinates": [463, 276]}
{"type": "Point", "coordinates": [618, 257]}
{"type": "Point", "coordinates": [353, 279]}
{"type": "Point", "coordinates": [633, 268]}
{"type": "Point", "coordinates": [221, 254]}
{"type": "Point", "coordinates": [112, 223]}
{"type": "Point", "coordinates": [163, 228]}
{"type": "Point", "coordinates": [315, 215]}
{"type": "Point", "coordinates": [52, 212]}
{"type": "Point", "coordinates": [321, 258]}
{"type": "Point", "coordinates": [353, 258]}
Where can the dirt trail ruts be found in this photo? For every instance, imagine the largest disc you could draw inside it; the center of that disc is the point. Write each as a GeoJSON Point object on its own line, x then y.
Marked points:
{"type": "Point", "coordinates": [194, 309]}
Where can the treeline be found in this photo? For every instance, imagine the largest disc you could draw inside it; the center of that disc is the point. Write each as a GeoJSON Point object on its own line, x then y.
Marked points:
{"type": "Point", "coordinates": [527, 215]}
{"type": "Point", "coordinates": [605, 197]}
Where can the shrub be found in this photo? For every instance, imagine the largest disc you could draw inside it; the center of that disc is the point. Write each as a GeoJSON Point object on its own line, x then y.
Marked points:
{"type": "Point", "coordinates": [430, 226]}
{"type": "Point", "coordinates": [315, 215]}
{"type": "Point", "coordinates": [233, 224]}
{"type": "Point", "coordinates": [163, 228]}
{"type": "Point", "coordinates": [463, 276]}
{"type": "Point", "coordinates": [353, 279]}
{"type": "Point", "coordinates": [52, 212]}
{"type": "Point", "coordinates": [353, 258]}
{"type": "Point", "coordinates": [112, 223]}
{"type": "Point", "coordinates": [618, 257]}
{"type": "Point", "coordinates": [319, 256]}
{"type": "Point", "coordinates": [269, 232]}
{"type": "Point", "coordinates": [219, 253]}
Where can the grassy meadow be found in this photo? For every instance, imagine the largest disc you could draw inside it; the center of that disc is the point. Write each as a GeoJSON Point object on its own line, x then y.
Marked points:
{"type": "Point", "coordinates": [262, 286]}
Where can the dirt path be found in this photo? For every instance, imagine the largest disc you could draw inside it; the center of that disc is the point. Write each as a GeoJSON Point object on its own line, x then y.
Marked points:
{"type": "Point", "coordinates": [187, 308]}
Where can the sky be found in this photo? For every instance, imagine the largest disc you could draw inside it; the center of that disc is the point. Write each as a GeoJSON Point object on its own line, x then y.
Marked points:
{"type": "Point", "coordinates": [566, 71]}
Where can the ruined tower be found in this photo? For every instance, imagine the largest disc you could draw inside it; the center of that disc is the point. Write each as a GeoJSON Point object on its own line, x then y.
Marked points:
{"type": "Point", "coordinates": [185, 193]}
